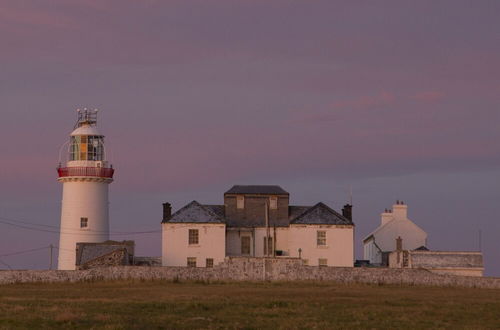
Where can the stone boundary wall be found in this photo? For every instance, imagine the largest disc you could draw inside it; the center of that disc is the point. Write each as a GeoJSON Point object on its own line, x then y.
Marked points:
{"type": "Point", "coordinates": [253, 269]}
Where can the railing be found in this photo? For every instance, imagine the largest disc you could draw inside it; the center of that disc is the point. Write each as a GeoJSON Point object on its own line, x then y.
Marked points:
{"type": "Point", "coordinates": [99, 172]}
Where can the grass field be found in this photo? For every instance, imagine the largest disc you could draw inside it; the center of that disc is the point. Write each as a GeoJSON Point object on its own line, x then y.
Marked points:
{"type": "Point", "coordinates": [245, 305]}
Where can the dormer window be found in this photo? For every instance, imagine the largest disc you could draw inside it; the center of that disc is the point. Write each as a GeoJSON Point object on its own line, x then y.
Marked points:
{"type": "Point", "coordinates": [240, 202]}
{"type": "Point", "coordinates": [273, 202]}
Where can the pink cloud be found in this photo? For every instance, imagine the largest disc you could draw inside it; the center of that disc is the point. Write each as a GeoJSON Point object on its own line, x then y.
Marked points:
{"type": "Point", "coordinates": [384, 98]}
{"type": "Point", "coordinates": [34, 17]}
{"type": "Point", "coordinates": [335, 111]}
{"type": "Point", "coordinates": [429, 96]}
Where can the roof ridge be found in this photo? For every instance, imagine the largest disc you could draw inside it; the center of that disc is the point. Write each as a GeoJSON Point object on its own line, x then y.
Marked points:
{"type": "Point", "coordinates": [265, 189]}
{"type": "Point", "coordinates": [183, 208]}
{"type": "Point", "coordinates": [201, 206]}
{"type": "Point", "coordinates": [324, 206]}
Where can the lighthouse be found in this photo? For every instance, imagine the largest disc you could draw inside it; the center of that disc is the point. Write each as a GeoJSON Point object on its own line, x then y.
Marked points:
{"type": "Point", "coordinates": [85, 178]}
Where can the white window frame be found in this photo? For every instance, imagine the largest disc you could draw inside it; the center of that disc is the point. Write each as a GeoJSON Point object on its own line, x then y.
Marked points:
{"type": "Point", "coordinates": [322, 262]}
{"type": "Point", "coordinates": [321, 238]}
{"type": "Point", "coordinates": [193, 237]}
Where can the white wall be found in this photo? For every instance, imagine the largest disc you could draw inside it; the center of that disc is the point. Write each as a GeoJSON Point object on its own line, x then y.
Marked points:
{"type": "Point", "coordinates": [176, 250]}
{"type": "Point", "coordinates": [372, 253]}
{"type": "Point", "coordinates": [82, 199]}
{"type": "Point", "coordinates": [413, 237]}
{"type": "Point", "coordinates": [282, 242]}
{"type": "Point", "coordinates": [339, 249]}
{"type": "Point", "coordinates": [233, 241]}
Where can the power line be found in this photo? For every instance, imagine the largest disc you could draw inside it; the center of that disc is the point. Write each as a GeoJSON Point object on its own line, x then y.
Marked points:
{"type": "Point", "coordinates": [28, 223]}
{"type": "Point", "coordinates": [12, 223]}
{"type": "Point", "coordinates": [24, 251]}
{"type": "Point", "coordinates": [5, 264]}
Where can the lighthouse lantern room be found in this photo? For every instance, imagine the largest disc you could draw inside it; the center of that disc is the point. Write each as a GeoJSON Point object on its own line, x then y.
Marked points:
{"type": "Point", "coordinates": [85, 178]}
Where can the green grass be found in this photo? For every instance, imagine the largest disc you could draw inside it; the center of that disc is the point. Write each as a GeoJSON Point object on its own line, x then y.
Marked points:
{"type": "Point", "coordinates": [296, 305]}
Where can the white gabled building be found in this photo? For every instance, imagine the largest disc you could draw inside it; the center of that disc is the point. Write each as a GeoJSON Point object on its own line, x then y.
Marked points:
{"type": "Point", "coordinates": [394, 224]}
{"type": "Point", "coordinates": [192, 236]}
{"type": "Point", "coordinates": [257, 221]}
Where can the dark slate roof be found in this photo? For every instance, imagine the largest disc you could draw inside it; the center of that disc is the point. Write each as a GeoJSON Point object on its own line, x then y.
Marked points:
{"type": "Point", "coordinates": [91, 252]}
{"type": "Point", "coordinates": [195, 212]}
{"type": "Point", "coordinates": [217, 209]}
{"type": "Point", "coordinates": [295, 211]}
{"type": "Point", "coordinates": [320, 214]}
{"type": "Point", "coordinates": [258, 190]}
{"type": "Point", "coordinates": [421, 248]}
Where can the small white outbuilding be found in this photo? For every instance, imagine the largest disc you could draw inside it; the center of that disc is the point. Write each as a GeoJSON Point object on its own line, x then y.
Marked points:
{"type": "Point", "coordinates": [394, 224]}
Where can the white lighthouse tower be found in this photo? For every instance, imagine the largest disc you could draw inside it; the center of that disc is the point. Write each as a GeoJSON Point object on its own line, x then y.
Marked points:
{"type": "Point", "coordinates": [85, 179]}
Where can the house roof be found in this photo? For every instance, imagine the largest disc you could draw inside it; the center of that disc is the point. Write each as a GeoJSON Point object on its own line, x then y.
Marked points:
{"type": "Point", "coordinates": [321, 214]}
{"type": "Point", "coordinates": [295, 211]}
{"type": "Point", "coordinates": [217, 209]}
{"type": "Point", "coordinates": [257, 189]}
{"type": "Point", "coordinates": [390, 223]}
{"type": "Point", "coordinates": [91, 252]}
{"type": "Point", "coordinates": [194, 212]}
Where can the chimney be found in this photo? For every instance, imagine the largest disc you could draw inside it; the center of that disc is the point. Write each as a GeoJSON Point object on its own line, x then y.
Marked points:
{"type": "Point", "coordinates": [167, 211]}
{"type": "Point", "coordinates": [400, 210]}
{"type": "Point", "coordinates": [386, 217]}
{"type": "Point", "coordinates": [347, 211]}
{"type": "Point", "coordinates": [399, 244]}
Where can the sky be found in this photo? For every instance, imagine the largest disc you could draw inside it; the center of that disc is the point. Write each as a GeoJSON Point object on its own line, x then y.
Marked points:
{"type": "Point", "coordinates": [394, 99]}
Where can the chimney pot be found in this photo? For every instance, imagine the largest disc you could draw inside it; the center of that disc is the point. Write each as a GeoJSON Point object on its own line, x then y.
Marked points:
{"type": "Point", "coordinates": [167, 211]}
{"type": "Point", "coordinates": [347, 211]}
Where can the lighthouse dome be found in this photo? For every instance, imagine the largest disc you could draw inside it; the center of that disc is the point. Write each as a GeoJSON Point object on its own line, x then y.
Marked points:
{"type": "Point", "coordinates": [86, 130]}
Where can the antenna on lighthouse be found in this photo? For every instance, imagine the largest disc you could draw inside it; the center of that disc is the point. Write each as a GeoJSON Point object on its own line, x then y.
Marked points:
{"type": "Point", "coordinates": [86, 117]}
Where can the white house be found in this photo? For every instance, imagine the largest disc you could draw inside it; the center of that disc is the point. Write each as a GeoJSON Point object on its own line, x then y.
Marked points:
{"type": "Point", "coordinates": [193, 236]}
{"type": "Point", "coordinates": [257, 221]}
{"type": "Point", "coordinates": [394, 224]}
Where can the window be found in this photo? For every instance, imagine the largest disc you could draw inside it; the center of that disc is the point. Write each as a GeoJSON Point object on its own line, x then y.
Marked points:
{"type": "Point", "coordinates": [191, 262]}
{"type": "Point", "coordinates": [84, 222]}
{"type": "Point", "coordinates": [321, 238]}
{"type": "Point", "coordinates": [193, 236]}
{"type": "Point", "coordinates": [245, 245]}
{"type": "Point", "coordinates": [87, 148]}
{"type": "Point", "coordinates": [268, 246]}
{"type": "Point", "coordinates": [322, 262]}
{"type": "Point", "coordinates": [305, 261]}
{"type": "Point", "coordinates": [209, 263]}
{"type": "Point", "coordinates": [240, 202]}
{"type": "Point", "coordinates": [273, 202]}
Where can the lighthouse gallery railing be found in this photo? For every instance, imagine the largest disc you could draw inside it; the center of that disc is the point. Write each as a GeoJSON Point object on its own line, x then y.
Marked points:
{"type": "Point", "coordinates": [99, 172]}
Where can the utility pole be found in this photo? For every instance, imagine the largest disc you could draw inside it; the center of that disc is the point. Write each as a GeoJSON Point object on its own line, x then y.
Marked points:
{"type": "Point", "coordinates": [268, 233]}
{"type": "Point", "coordinates": [480, 241]}
{"type": "Point", "coordinates": [51, 247]}
{"type": "Point", "coordinates": [350, 194]}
